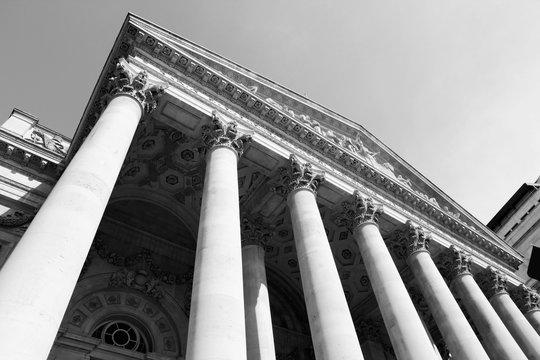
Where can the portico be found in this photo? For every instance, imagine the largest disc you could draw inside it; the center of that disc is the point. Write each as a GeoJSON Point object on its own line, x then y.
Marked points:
{"type": "Point", "coordinates": [225, 219]}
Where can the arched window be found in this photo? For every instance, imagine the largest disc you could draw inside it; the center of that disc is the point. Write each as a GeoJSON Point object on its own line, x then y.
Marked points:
{"type": "Point", "coordinates": [128, 334]}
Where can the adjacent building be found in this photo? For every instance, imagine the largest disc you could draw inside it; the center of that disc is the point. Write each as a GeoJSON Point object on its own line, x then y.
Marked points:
{"type": "Point", "coordinates": [202, 212]}
{"type": "Point", "coordinates": [518, 223]}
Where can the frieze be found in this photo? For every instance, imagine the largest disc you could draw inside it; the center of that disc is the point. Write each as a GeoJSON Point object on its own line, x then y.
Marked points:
{"type": "Point", "coordinates": [254, 104]}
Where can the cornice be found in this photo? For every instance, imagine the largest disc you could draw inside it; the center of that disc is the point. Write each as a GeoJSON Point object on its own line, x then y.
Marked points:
{"type": "Point", "coordinates": [135, 40]}
{"type": "Point", "coordinates": [18, 157]}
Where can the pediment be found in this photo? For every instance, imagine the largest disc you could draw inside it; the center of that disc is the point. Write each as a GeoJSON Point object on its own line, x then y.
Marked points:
{"type": "Point", "coordinates": [336, 141]}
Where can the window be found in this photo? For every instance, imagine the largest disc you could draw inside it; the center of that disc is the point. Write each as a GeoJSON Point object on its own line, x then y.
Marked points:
{"type": "Point", "coordinates": [123, 334]}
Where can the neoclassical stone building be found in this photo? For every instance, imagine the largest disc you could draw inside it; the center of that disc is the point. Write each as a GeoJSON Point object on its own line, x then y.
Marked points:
{"type": "Point", "coordinates": [203, 212]}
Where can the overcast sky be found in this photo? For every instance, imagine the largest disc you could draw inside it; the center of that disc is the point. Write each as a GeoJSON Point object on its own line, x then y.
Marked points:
{"type": "Point", "coordinates": [452, 86]}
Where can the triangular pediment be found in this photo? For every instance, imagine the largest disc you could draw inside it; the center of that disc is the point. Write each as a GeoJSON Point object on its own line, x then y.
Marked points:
{"type": "Point", "coordinates": [336, 140]}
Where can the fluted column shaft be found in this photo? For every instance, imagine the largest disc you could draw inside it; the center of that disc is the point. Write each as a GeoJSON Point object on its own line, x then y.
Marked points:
{"type": "Point", "coordinates": [259, 332]}
{"type": "Point", "coordinates": [216, 324]}
{"type": "Point", "coordinates": [499, 344]}
{"type": "Point", "coordinates": [332, 329]}
{"type": "Point", "coordinates": [407, 334]}
{"type": "Point", "coordinates": [455, 329]}
{"type": "Point", "coordinates": [37, 280]}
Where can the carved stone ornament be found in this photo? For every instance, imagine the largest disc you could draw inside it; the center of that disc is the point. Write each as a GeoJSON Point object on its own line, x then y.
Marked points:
{"type": "Point", "coordinates": [220, 133]}
{"type": "Point", "coordinates": [126, 80]}
{"type": "Point", "coordinates": [526, 298]}
{"type": "Point", "coordinates": [492, 282]}
{"type": "Point", "coordinates": [358, 211]}
{"type": "Point", "coordinates": [298, 176]}
{"type": "Point", "coordinates": [370, 329]}
{"type": "Point", "coordinates": [454, 262]}
{"type": "Point", "coordinates": [417, 240]}
{"type": "Point", "coordinates": [254, 232]}
{"type": "Point", "coordinates": [139, 280]}
{"type": "Point", "coordinates": [15, 219]}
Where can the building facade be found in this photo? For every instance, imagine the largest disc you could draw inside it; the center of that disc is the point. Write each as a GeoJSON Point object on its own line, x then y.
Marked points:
{"type": "Point", "coordinates": [518, 223]}
{"type": "Point", "coordinates": [203, 212]}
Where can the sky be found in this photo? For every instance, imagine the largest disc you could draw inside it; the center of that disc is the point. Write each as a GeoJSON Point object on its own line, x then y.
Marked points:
{"type": "Point", "coordinates": [453, 87]}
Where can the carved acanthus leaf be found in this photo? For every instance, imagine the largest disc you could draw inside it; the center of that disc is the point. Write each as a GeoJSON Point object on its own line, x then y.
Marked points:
{"type": "Point", "coordinates": [220, 133]}
{"type": "Point", "coordinates": [417, 240]}
{"type": "Point", "coordinates": [526, 298]}
{"type": "Point", "coordinates": [298, 176]}
{"type": "Point", "coordinates": [358, 211]}
{"type": "Point", "coordinates": [254, 232]}
{"type": "Point", "coordinates": [492, 282]}
{"type": "Point", "coordinates": [454, 262]}
{"type": "Point", "coordinates": [126, 80]}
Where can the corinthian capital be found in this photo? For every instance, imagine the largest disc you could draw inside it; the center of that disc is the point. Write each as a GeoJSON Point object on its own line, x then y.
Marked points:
{"type": "Point", "coordinates": [359, 210]}
{"type": "Point", "coordinates": [298, 176]}
{"type": "Point", "coordinates": [454, 262]}
{"type": "Point", "coordinates": [254, 232]}
{"type": "Point", "coordinates": [492, 282]}
{"type": "Point", "coordinates": [220, 133]}
{"type": "Point", "coordinates": [126, 80]}
{"type": "Point", "coordinates": [526, 298]}
{"type": "Point", "coordinates": [417, 240]}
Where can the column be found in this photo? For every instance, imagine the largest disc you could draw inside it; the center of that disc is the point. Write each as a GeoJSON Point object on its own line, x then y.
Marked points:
{"type": "Point", "coordinates": [407, 334]}
{"type": "Point", "coordinates": [37, 280]}
{"type": "Point", "coordinates": [493, 283]}
{"type": "Point", "coordinates": [332, 329]}
{"type": "Point", "coordinates": [498, 342]}
{"type": "Point", "coordinates": [259, 333]}
{"type": "Point", "coordinates": [527, 300]}
{"type": "Point", "coordinates": [216, 324]}
{"type": "Point", "coordinates": [454, 327]}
